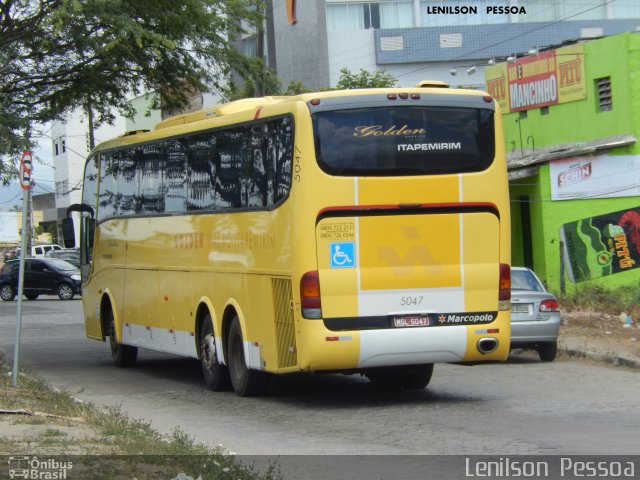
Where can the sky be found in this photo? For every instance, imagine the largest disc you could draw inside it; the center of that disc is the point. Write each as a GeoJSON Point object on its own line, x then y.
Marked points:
{"type": "Point", "coordinates": [42, 172]}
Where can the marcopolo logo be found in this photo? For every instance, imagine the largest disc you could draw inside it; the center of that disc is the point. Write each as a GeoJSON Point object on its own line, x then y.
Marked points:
{"type": "Point", "coordinates": [35, 468]}
{"type": "Point", "coordinates": [466, 318]}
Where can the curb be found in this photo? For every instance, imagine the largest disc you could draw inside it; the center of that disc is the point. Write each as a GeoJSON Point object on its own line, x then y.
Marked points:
{"type": "Point", "coordinates": [598, 357]}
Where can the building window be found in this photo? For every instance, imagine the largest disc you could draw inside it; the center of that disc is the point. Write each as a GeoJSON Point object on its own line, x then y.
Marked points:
{"type": "Point", "coordinates": [366, 15]}
{"type": "Point", "coordinates": [249, 46]}
{"type": "Point", "coordinates": [64, 146]}
{"type": "Point", "coordinates": [625, 9]}
{"type": "Point", "coordinates": [62, 188]}
{"type": "Point", "coordinates": [603, 91]}
{"type": "Point", "coordinates": [56, 148]}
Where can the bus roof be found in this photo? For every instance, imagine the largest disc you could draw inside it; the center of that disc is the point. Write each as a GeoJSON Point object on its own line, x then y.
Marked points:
{"type": "Point", "coordinates": [211, 117]}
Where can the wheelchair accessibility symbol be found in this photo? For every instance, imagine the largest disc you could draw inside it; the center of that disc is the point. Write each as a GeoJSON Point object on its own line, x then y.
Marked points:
{"type": "Point", "coordinates": [342, 255]}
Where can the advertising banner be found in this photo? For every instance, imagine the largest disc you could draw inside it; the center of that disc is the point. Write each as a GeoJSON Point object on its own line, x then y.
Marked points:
{"type": "Point", "coordinates": [601, 176]}
{"type": "Point", "coordinates": [549, 78]}
{"type": "Point", "coordinates": [602, 245]}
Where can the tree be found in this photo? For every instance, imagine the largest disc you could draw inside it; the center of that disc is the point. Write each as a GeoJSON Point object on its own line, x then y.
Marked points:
{"type": "Point", "coordinates": [364, 79]}
{"type": "Point", "coordinates": [58, 55]}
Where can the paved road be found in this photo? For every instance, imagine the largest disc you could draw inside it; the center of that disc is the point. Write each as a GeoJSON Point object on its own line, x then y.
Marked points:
{"type": "Point", "coordinates": [521, 407]}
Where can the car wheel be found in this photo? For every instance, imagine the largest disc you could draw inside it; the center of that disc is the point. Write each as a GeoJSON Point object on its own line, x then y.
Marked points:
{"type": "Point", "coordinates": [7, 293]}
{"type": "Point", "coordinates": [122, 355]}
{"type": "Point", "coordinates": [246, 382]}
{"type": "Point", "coordinates": [216, 376]}
{"type": "Point", "coordinates": [65, 292]}
{"type": "Point", "coordinates": [547, 351]}
{"type": "Point", "coordinates": [31, 296]}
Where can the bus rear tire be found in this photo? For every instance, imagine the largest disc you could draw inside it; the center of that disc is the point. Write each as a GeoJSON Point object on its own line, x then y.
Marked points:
{"type": "Point", "coordinates": [216, 376]}
{"type": "Point", "coordinates": [246, 382]}
{"type": "Point", "coordinates": [409, 377]}
{"type": "Point", "coordinates": [419, 378]}
{"type": "Point", "coordinates": [122, 355]}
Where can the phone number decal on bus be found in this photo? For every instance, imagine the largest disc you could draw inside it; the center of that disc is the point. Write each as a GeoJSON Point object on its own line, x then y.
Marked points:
{"type": "Point", "coordinates": [337, 231]}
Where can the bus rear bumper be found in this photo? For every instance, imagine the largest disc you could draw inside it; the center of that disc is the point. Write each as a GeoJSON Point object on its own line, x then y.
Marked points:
{"type": "Point", "coordinates": [357, 350]}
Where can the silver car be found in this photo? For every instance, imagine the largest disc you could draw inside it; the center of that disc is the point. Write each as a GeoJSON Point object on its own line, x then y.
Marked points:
{"type": "Point", "coordinates": [535, 316]}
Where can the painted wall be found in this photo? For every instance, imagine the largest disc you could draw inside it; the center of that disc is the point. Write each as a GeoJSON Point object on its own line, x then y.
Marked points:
{"type": "Point", "coordinates": [617, 57]}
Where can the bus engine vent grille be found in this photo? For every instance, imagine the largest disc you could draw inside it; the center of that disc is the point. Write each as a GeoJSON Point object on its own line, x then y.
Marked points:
{"type": "Point", "coordinates": [285, 329]}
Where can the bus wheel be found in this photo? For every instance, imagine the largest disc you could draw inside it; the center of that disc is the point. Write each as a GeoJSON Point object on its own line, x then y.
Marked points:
{"type": "Point", "coordinates": [419, 377]}
{"type": "Point", "coordinates": [216, 376]}
{"type": "Point", "coordinates": [409, 377]}
{"type": "Point", "coordinates": [246, 382]}
{"type": "Point", "coordinates": [122, 355]}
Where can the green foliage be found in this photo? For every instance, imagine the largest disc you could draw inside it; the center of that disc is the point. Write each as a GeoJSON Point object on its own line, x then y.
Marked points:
{"type": "Point", "coordinates": [593, 297]}
{"type": "Point", "coordinates": [364, 79]}
{"type": "Point", "coordinates": [258, 81]}
{"type": "Point", "coordinates": [58, 55]}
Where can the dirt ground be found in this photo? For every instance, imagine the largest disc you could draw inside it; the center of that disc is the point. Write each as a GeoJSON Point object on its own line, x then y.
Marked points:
{"type": "Point", "coordinates": [599, 333]}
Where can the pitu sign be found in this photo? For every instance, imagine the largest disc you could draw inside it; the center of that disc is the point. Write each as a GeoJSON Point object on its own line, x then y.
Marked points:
{"type": "Point", "coordinates": [549, 78]}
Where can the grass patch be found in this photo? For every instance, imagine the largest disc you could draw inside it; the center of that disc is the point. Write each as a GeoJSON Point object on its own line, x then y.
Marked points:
{"type": "Point", "coordinates": [591, 297]}
{"type": "Point", "coordinates": [112, 445]}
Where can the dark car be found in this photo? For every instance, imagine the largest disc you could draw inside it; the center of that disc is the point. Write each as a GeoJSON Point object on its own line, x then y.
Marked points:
{"type": "Point", "coordinates": [71, 255]}
{"type": "Point", "coordinates": [41, 276]}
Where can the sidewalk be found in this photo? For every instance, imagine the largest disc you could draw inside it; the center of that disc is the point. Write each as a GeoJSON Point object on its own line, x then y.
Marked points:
{"type": "Point", "coordinates": [599, 337]}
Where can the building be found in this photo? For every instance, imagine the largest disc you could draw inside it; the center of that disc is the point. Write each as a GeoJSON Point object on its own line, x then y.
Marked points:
{"type": "Point", "coordinates": [311, 41]}
{"type": "Point", "coordinates": [572, 122]}
{"type": "Point", "coordinates": [70, 144]}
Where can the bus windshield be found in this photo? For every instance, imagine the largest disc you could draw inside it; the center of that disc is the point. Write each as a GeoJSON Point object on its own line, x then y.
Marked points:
{"type": "Point", "coordinates": [393, 141]}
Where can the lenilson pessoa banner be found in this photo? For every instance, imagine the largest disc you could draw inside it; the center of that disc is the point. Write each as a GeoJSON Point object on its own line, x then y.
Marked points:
{"type": "Point", "coordinates": [548, 78]}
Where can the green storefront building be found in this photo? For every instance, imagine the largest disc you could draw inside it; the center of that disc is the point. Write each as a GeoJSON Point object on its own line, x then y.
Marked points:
{"type": "Point", "coordinates": [572, 122]}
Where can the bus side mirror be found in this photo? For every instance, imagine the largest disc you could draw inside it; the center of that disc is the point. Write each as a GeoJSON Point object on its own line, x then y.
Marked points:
{"type": "Point", "coordinates": [68, 233]}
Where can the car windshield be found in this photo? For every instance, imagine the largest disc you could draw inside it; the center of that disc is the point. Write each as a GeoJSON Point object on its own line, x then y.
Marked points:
{"type": "Point", "coordinates": [61, 264]}
{"type": "Point", "coordinates": [525, 280]}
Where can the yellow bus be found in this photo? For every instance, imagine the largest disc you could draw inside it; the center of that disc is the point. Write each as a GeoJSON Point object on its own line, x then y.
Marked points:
{"type": "Point", "coordinates": [361, 231]}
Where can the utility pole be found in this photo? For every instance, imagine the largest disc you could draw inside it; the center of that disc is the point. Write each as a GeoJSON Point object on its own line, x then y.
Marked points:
{"type": "Point", "coordinates": [260, 52]}
{"type": "Point", "coordinates": [29, 231]}
{"type": "Point", "coordinates": [25, 182]}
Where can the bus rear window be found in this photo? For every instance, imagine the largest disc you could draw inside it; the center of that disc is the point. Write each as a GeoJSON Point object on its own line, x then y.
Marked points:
{"type": "Point", "coordinates": [404, 140]}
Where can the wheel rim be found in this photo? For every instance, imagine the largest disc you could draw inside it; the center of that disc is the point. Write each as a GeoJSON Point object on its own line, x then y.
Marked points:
{"type": "Point", "coordinates": [6, 292]}
{"type": "Point", "coordinates": [66, 292]}
{"type": "Point", "coordinates": [209, 353]}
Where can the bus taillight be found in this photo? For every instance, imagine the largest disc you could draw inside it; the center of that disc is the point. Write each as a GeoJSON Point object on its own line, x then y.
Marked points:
{"type": "Point", "coordinates": [504, 295]}
{"type": "Point", "coordinates": [310, 295]}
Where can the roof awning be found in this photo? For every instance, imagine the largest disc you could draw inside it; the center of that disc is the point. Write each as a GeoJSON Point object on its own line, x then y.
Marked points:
{"type": "Point", "coordinates": [526, 162]}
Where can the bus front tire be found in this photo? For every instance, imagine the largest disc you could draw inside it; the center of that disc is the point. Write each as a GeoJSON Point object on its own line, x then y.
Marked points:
{"type": "Point", "coordinates": [122, 355]}
{"type": "Point", "coordinates": [216, 376]}
{"type": "Point", "coordinates": [246, 382]}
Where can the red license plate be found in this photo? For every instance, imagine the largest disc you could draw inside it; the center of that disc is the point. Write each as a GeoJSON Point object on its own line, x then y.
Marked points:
{"type": "Point", "coordinates": [411, 321]}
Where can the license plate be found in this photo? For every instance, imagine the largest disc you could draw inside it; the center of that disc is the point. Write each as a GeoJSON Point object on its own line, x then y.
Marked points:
{"type": "Point", "coordinates": [520, 307]}
{"type": "Point", "coordinates": [411, 321]}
